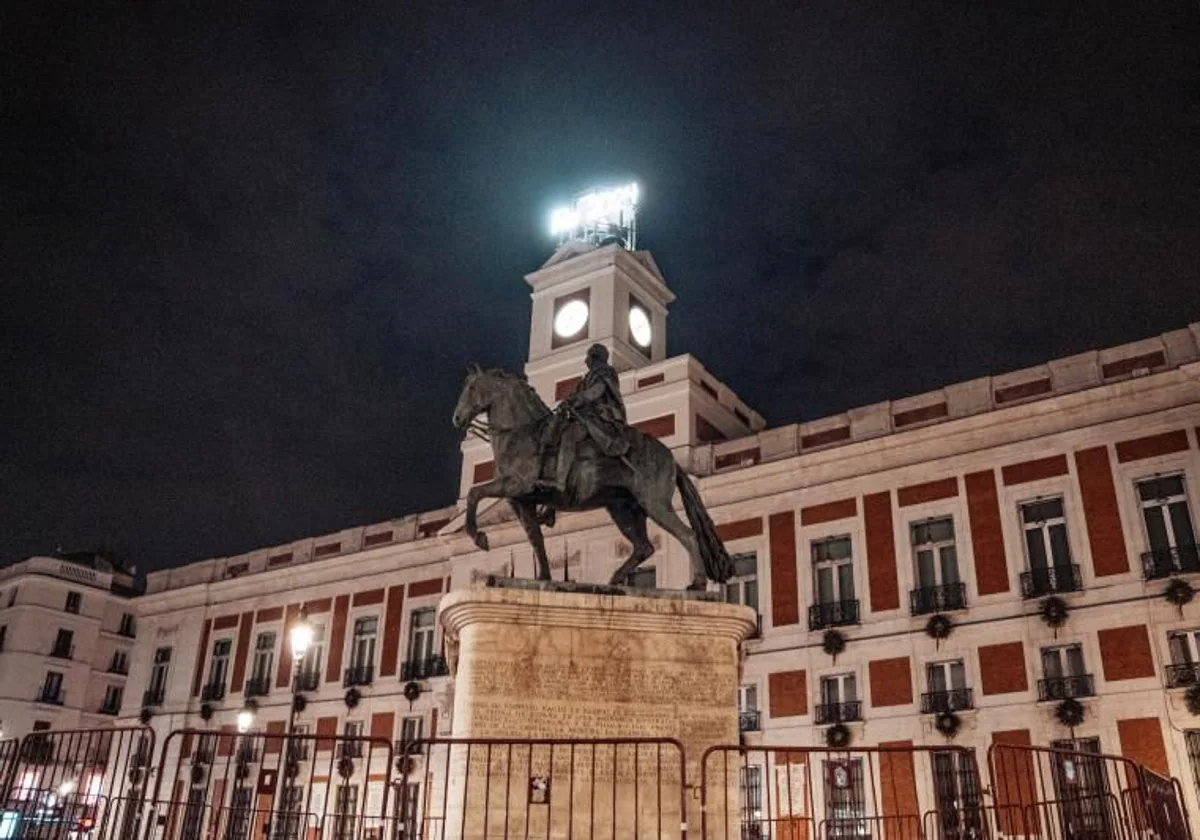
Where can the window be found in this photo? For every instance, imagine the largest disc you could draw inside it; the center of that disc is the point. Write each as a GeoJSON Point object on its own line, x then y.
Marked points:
{"type": "Point", "coordinates": [751, 795]}
{"type": "Point", "coordinates": [833, 584]}
{"type": "Point", "coordinates": [839, 699]}
{"type": "Point", "coordinates": [158, 676]}
{"type": "Point", "coordinates": [351, 747]}
{"type": "Point", "coordinates": [1169, 532]}
{"type": "Point", "coordinates": [218, 666]}
{"type": "Point", "coordinates": [410, 729]}
{"type": "Point", "coordinates": [126, 628]}
{"type": "Point", "coordinates": [313, 658]}
{"type": "Point", "coordinates": [845, 802]}
{"type": "Point", "coordinates": [742, 588]}
{"type": "Point", "coordinates": [409, 808]}
{"type": "Point", "coordinates": [833, 568]}
{"type": "Point", "coordinates": [934, 553]}
{"type": "Point", "coordinates": [264, 664]}
{"type": "Point", "coordinates": [749, 717]}
{"type": "Point", "coordinates": [3, 635]}
{"type": "Point", "coordinates": [63, 644]}
{"type": "Point", "coordinates": [74, 602]}
{"type": "Point", "coordinates": [957, 795]}
{"type": "Point", "coordinates": [120, 662]}
{"type": "Point", "coordinates": [1081, 789]}
{"type": "Point", "coordinates": [420, 640]}
{"type": "Point", "coordinates": [1064, 674]}
{"type": "Point", "coordinates": [1046, 550]}
{"type": "Point", "coordinates": [345, 809]}
{"type": "Point", "coordinates": [1184, 669]}
{"type": "Point", "coordinates": [644, 577]}
{"type": "Point", "coordinates": [947, 684]}
{"type": "Point", "coordinates": [288, 825]}
{"type": "Point", "coordinates": [363, 654]}
{"type": "Point", "coordinates": [52, 688]}
{"type": "Point", "coordinates": [112, 700]}
{"type": "Point", "coordinates": [240, 812]}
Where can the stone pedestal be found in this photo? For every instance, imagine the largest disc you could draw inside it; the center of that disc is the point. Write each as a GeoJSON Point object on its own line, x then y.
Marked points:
{"type": "Point", "coordinates": [650, 676]}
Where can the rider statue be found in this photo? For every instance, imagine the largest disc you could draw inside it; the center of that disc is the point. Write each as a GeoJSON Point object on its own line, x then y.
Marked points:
{"type": "Point", "coordinates": [594, 409]}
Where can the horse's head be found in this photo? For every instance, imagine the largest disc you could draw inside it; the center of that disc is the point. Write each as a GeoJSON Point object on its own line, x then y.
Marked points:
{"type": "Point", "coordinates": [474, 399]}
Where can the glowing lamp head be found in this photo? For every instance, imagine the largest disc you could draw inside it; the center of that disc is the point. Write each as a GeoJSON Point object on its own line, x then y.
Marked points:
{"type": "Point", "coordinates": [245, 720]}
{"type": "Point", "coordinates": [67, 787]}
{"type": "Point", "coordinates": [300, 637]}
{"type": "Point", "coordinates": [563, 220]}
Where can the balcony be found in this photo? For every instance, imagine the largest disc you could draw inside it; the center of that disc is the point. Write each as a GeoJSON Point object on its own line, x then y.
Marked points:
{"type": "Point", "coordinates": [954, 700]}
{"type": "Point", "coordinates": [247, 752]}
{"type": "Point", "coordinates": [934, 599]}
{"type": "Point", "coordinates": [1064, 688]}
{"type": "Point", "coordinates": [750, 721]}
{"type": "Point", "coordinates": [153, 697]}
{"type": "Point", "coordinates": [297, 751]}
{"type": "Point", "coordinates": [423, 669]}
{"type": "Point", "coordinates": [107, 708]}
{"type": "Point", "coordinates": [53, 696]}
{"type": "Point", "coordinates": [308, 680]}
{"type": "Point", "coordinates": [258, 686]}
{"type": "Point", "coordinates": [1164, 562]}
{"type": "Point", "coordinates": [833, 614]}
{"type": "Point", "coordinates": [827, 713]}
{"type": "Point", "coordinates": [1183, 674]}
{"type": "Point", "coordinates": [63, 651]}
{"type": "Point", "coordinates": [1047, 581]}
{"type": "Point", "coordinates": [212, 692]}
{"type": "Point", "coordinates": [119, 668]}
{"type": "Point", "coordinates": [358, 675]}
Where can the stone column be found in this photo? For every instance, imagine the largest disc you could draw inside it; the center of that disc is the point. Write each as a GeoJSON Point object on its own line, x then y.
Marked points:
{"type": "Point", "coordinates": [571, 662]}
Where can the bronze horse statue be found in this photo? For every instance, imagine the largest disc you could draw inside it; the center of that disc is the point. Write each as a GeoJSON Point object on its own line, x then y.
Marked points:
{"type": "Point", "coordinates": [639, 485]}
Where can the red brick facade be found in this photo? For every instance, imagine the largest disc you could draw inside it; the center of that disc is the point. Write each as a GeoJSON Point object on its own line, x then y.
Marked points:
{"type": "Point", "coordinates": [1105, 534]}
{"type": "Point", "coordinates": [828, 512]}
{"type": "Point", "coordinates": [891, 682]}
{"type": "Point", "coordinates": [930, 491]}
{"type": "Point", "coordinates": [1142, 741]}
{"type": "Point", "coordinates": [785, 594]}
{"type": "Point", "coordinates": [987, 536]}
{"type": "Point", "coordinates": [788, 693]}
{"type": "Point", "coordinates": [881, 552]}
{"type": "Point", "coordinates": [1002, 668]}
{"type": "Point", "coordinates": [1125, 653]}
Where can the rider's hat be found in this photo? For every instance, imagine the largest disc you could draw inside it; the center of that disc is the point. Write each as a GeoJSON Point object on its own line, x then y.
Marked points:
{"type": "Point", "coordinates": [597, 351]}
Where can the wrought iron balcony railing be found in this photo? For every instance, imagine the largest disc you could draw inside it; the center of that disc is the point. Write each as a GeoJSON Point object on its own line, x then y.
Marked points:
{"type": "Point", "coordinates": [308, 680]}
{"type": "Point", "coordinates": [259, 686]}
{"type": "Point", "coordinates": [213, 691]}
{"type": "Point", "coordinates": [1050, 580]}
{"type": "Point", "coordinates": [833, 614]}
{"type": "Point", "coordinates": [107, 708]}
{"type": "Point", "coordinates": [1183, 674]}
{"type": "Point", "coordinates": [423, 669]}
{"type": "Point", "coordinates": [954, 700]}
{"type": "Point", "coordinates": [838, 712]}
{"type": "Point", "coordinates": [750, 721]}
{"type": "Point", "coordinates": [153, 697]}
{"type": "Point", "coordinates": [298, 751]}
{"type": "Point", "coordinates": [350, 749]}
{"type": "Point", "coordinates": [1063, 688]}
{"type": "Point", "coordinates": [247, 753]}
{"type": "Point", "coordinates": [943, 598]}
{"type": "Point", "coordinates": [358, 675]}
{"type": "Point", "coordinates": [1171, 561]}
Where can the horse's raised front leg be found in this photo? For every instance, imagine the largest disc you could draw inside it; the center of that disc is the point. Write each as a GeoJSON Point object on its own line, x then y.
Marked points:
{"type": "Point", "coordinates": [502, 487]}
{"type": "Point", "coordinates": [527, 513]}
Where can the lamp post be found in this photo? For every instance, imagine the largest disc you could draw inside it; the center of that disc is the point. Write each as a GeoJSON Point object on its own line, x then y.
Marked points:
{"type": "Point", "coordinates": [300, 637]}
{"type": "Point", "coordinates": [245, 720]}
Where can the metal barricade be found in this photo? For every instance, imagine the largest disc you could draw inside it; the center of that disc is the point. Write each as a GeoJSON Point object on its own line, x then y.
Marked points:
{"type": "Point", "coordinates": [1063, 794]}
{"type": "Point", "coordinates": [474, 789]}
{"type": "Point", "coordinates": [897, 792]}
{"type": "Point", "coordinates": [221, 784]}
{"type": "Point", "coordinates": [77, 783]}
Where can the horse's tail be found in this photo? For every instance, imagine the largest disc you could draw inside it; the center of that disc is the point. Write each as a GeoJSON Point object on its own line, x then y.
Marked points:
{"type": "Point", "coordinates": [717, 564]}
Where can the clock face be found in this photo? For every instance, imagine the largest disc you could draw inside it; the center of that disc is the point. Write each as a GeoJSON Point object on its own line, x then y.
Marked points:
{"type": "Point", "coordinates": [571, 318]}
{"type": "Point", "coordinates": [639, 326]}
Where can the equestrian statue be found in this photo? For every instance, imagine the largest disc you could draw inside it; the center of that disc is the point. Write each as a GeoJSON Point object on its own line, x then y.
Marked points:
{"type": "Point", "coordinates": [583, 456]}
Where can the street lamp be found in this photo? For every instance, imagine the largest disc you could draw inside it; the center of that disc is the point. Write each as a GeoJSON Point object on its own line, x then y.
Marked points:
{"type": "Point", "coordinates": [301, 637]}
{"type": "Point", "coordinates": [245, 720]}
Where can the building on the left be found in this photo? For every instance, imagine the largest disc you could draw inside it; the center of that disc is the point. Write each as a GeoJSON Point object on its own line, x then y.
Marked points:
{"type": "Point", "coordinates": [67, 627]}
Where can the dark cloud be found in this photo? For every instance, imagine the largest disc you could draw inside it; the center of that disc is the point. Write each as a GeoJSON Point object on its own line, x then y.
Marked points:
{"type": "Point", "coordinates": [248, 247]}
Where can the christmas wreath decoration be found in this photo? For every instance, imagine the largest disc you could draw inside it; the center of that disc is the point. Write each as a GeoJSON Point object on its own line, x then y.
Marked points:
{"type": "Point", "coordinates": [412, 690]}
{"type": "Point", "coordinates": [299, 702]}
{"type": "Point", "coordinates": [243, 770]}
{"type": "Point", "coordinates": [292, 769]}
{"type": "Point", "coordinates": [947, 723]}
{"type": "Point", "coordinates": [837, 736]}
{"type": "Point", "coordinates": [833, 643]}
{"type": "Point", "coordinates": [353, 696]}
{"type": "Point", "coordinates": [1180, 593]}
{"type": "Point", "coordinates": [404, 765]}
{"type": "Point", "coordinates": [206, 711]}
{"type": "Point", "coordinates": [145, 716]}
{"type": "Point", "coordinates": [1070, 713]}
{"type": "Point", "coordinates": [939, 627]}
{"type": "Point", "coordinates": [197, 774]}
{"type": "Point", "coordinates": [346, 768]}
{"type": "Point", "coordinates": [1054, 612]}
{"type": "Point", "coordinates": [1192, 699]}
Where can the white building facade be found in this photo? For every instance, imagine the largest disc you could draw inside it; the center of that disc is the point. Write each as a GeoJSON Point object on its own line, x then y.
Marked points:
{"type": "Point", "coordinates": [67, 632]}
{"type": "Point", "coordinates": [1076, 481]}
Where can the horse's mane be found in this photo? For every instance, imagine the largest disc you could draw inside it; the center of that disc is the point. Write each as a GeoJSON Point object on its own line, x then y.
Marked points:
{"type": "Point", "coordinates": [525, 391]}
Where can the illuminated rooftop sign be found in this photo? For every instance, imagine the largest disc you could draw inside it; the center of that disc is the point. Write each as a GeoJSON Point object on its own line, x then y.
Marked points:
{"type": "Point", "coordinates": [599, 215]}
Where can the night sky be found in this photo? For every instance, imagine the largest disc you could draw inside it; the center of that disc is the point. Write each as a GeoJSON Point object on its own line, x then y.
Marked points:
{"type": "Point", "coordinates": [247, 248]}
